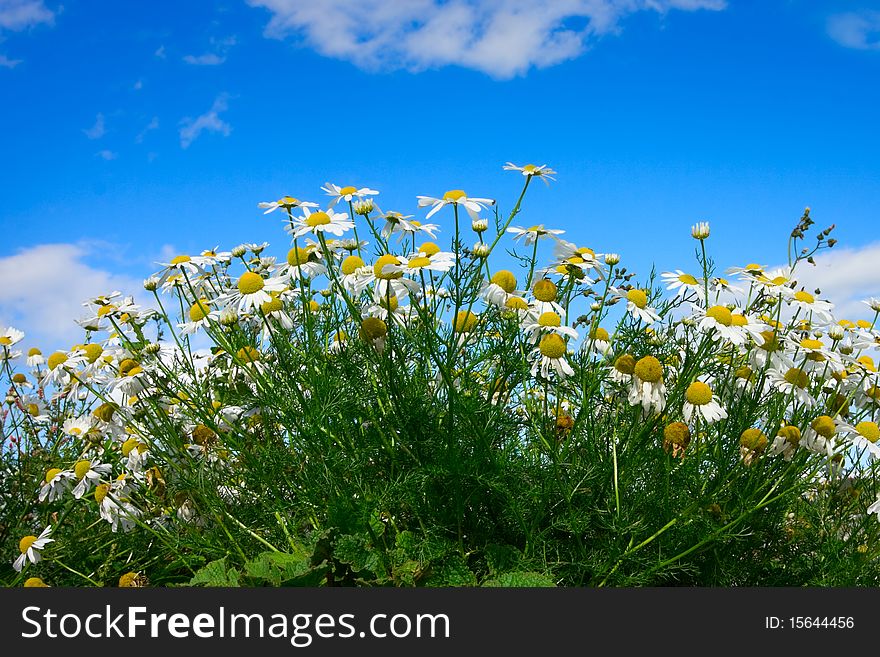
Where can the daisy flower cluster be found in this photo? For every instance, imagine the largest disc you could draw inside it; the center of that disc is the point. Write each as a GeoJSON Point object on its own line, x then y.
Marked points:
{"type": "Point", "coordinates": [158, 409]}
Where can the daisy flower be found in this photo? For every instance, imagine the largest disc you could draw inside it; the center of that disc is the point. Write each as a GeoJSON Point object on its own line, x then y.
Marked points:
{"type": "Point", "coordinates": [286, 202]}
{"type": "Point", "coordinates": [59, 366]}
{"type": "Point", "coordinates": [873, 303]}
{"type": "Point", "coordinates": [700, 401]}
{"type": "Point", "coordinates": [455, 197]}
{"type": "Point", "coordinates": [31, 546]}
{"type": "Point", "coordinates": [427, 258]}
{"type": "Point", "coordinates": [346, 193]}
{"type": "Point", "coordinates": [718, 285]}
{"type": "Point", "coordinates": [396, 222]}
{"type": "Point", "coordinates": [700, 230]}
{"type": "Point", "coordinates": [810, 304]}
{"type": "Point", "coordinates": [682, 283]}
{"type": "Point", "coordinates": [55, 484]}
{"type": "Point", "coordinates": [305, 262]}
{"type": "Point", "coordinates": [546, 293]}
{"type": "Point", "coordinates": [389, 277]}
{"type": "Point", "coordinates": [252, 291]}
{"type": "Point", "coordinates": [9, 336]}
{"type": "Point", "coordinates": [792, 381]}
{"type": "Point", "coordinates": [622, 369]}
{"type": "Point", "coordinates": [335, 223]}
{"type": "Point", "coordinates": [550, 354]}
{"type": "Point", "coordinates": [817, 356]}
{"type": "Point", "coordinates": [356, 275]}
{"type": "Point", "coordinates": [115, 509]}
{"type": "Point", "coordinates": [413, 228]}
{"type": "Point", "coordinates": [647, 388]}
{"type": "Point", "coordinates": [786, 442]}
{"type": "Point", "coordinates": [87, 475]}
{"type": "Point", "coordinates": [546, 324]}
{"type": "Point", "coordinates": [543, 172]}
{"type": "Point", "coordinates": [864, 436]}
{"type": "Point", "coordinates": [600, 341]}
{"type": "Point", "coordinates": [721, 323]}
{"type": "Point", "coordinates": [820, 436]}
{"type": "Point", "coordinates": [636, 304]}
{"type": "Point", "coordinates": [199, 315]}
{"type": "Point", "coordinates": [533, 233]}
{"type": "Point", "coordinates": [35, 357]}
{"type": "Point", "coordinates": [497, 290]}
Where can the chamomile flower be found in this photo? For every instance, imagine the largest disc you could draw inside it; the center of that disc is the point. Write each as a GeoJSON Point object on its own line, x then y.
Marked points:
{"type": "Point", "coordinates": [683, 283]}
{"type": "Point", "coordinates": [808, 303]}
{"type": "Point", "coordinates": [545, 324]}
{"type": "Point", "coordinates": [864, 435]}
{"type": "Point", "coordinates": [87, 474]}
{"type": "Point", "coordinates": [426, 259]}
{"type": "Point", "coordinates": [456, 197]}
{"type": "Point", "coordinates": [542, 171]}
{"type": "Point", "coordinates": [335, 223]}
{"type": "Point", "coordinates": [647, 388]}
{"type": "Point", "coordinates": [623, 369]}
{"type": "Point", "coordinates": [115, 508]}
{"type": "Point", "coordinates": [550, 355]}
{"type": "Point", "coordinates": [30, 548]}
{"type": "Point", "coordinates": [498, 289]}
{"type": "Point", "coordinates": [286, 202]}
{"type": "Point", "coordinates": [598, 340]}
{"type": "Point", "coordinates": [786, 442]}
{"type": "Point", "coordinates": [251, 291]}
{"type": "Point", "coordinates": [721, 323]}
{"type": "Point", "coordinates": [546, 294]}
{"type": "Point", "coordinates": [347, 193]}
{"type": "Point", "coordinates": [700, 402]}
{"type": "Point", "coordinates": [397, 223]}
{"type": "Point", "coordinates": [532, 234]}
{"type": "Point", "coordinates": [9, 336]}
{"type": "Point", "coordinates": [389, 277]}
{"type": "Point", "coordinates": [793, 381]}
{"type": "Point", "coordinates": [413, 228]}
{"type": "Point", "coordinates": [200, 315]}
{"type": "Point", "coordinates": [637, 304]}
{"type": "Point", "coordinates": [55, 484]}
{"type": "Point", "coordinates": [35, 357]}
{"type": "Point", "coordinates": [820, 436]}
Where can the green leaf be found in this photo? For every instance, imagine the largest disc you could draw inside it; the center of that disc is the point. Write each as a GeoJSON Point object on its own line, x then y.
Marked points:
{"type": "Point", "coordinates": [215, 573]}
{"type": "Point", "coordinates": [521, 579]}
{"type": "Point", "coordinates": [451, 571]}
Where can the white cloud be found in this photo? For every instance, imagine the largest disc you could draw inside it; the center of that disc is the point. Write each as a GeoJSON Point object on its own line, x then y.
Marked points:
{"type": "Point", "coordinates": [208, 59]}
{"type": "Point", "coordinates": [138, 85]}
{"type": "Point", "coordinates": [503, 38]}
{"type": "Point", "coordinates": [44, 287]}
{"type": "Point", "coordinates": [107, 154]}
{"type": "Point", "coordinates": [5, 62]}
{"type": "Point", "coordinates": [160, 52]}
{"type": "Point", "coordinates": [22, 14]}
{"type": "Point", "coordinates": [152, 125]}
{"type": "Point", "coordinates": [846, 276]}
{"type": "Point", "coordinates": [98, 130]}
{"type": "Point", "coordinates": [210, 121]}
{"type": "Point", "coordinates": [859, 30]}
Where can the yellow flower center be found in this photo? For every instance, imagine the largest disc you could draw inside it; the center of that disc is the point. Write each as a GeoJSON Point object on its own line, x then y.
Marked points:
{"type": "Point", "coordinates": [56, 359]}
{"type": "Point", "coordinates": [754, 267]}
{"type": "Point", "coordinates": [348, 189]}
{"type": "Point", "coordinates": [867, 362]}
{"type": "Point", "coordinates": [805, 297]}
{"type": "Point", "coordinates": [791, 434]}
{"type": "Point", "coordinates": [552, 346]}
{"type": "Point", "coordinates": [50, 474]}
{"type": "Point", "coordinates": [516, 303]}
{"type": "Point", "coordinates": [869, 430]}
{"type": "Point", "coordinates": [738, 320]}
{"type": "Point", "coordinates": [288, 200]}
{"type": "Point", "coordinates": [101, 491]}
{"type": "Point", "coordinates": [373, 328]}
{"type": "Point", "coordinates": [129, 445]}
{"type": "Point", "coordinates": [721, 315]}
{"type": "Point", "coordinates": [381, 262]}
{"type": "Point", "coordinates": [698, 393]}
{"type": "Point", "coordinates": [599, 333]}
{"type": "Point", "coordinates": [128, 580]}
{"type": "Point", "coordinates": [418, 262]}
{"type": "Point", "coordinates": [34, 352]}
{"type": "Point", "coordinates": [863, 323]}
{"type": "Point", "coordinates": [129, 367]}
{"type": "Point", "coordinates": [687, 279]}
{"type": "Point", "coordinates": [465, 321]}
{"type": "Point", "coordinates": [549, 319]}
{"type": "Point", "coordinates": [429, 249]}
{"type": "Point", "coordinates": [81, 468]}
{"type": "Point", "coordinates": [297, 256]}
{"type": "Point", "coordinates": [873, 393]}
{"type": "Point", "coordinates": [677, 433]}
{"type": "Point", "coordinates": [744, 372]}
{"type": "Point", "coordinates": [454, 195]}
{"type": "Point", "coordinates": [389, 303]}
{"type": "Point", "coordinates": [179, 260]}
{"type": "Point", "coordinates": [272, 306]}
{"type": "Point", "coordinates": [648, 369]}
{"type": "Point", "coordinates": [18, 378]}
{"type": "Point", "coordinates": [199, 310]}
{"type": "Point", "coordinates": [104, 412]}
{"type": "Point", "coordinates": [351, 264]}
{"type": "Point", "coordinates": [505, 280]}
{"type": "Point", "coordinates": [797, 377]}
{"type": "Point", "coordinates": [25, 543]}
{"type": "Point", "coordinates": [319, 218]}
{"type": "Point", "coordinates": [824, 426]}
{"type": "Point", "coordinates": [638, 298]}
{"type": "Point", "coordinates": [545, 290]}
{"type": "Point", "coordinates": [248, 355]}
{"type": "Point", "coordinates": [529, 168]}
{"type": "Point", "coordinates": [625, 364]}
{"type": "Point", "coordinates": [770, 342]}
{"type": "Point", "coordinates": [753, 439]}
{"type": "Point", "coordinates": [250, 283]}
{"type": "Point", "coordinates": [34, 582]}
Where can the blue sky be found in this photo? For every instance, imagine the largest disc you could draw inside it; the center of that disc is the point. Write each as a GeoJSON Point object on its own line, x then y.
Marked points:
{"type": "Point", "coordinates": [134, 131]}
